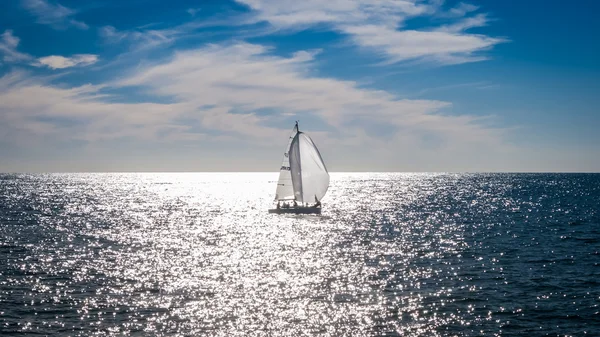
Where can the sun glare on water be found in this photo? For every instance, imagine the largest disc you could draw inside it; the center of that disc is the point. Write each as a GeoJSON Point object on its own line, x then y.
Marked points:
{"type": "Point", "coordinates": [198, 254]}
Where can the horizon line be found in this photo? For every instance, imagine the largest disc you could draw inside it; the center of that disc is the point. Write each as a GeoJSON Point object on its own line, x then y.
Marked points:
{"type": "Point", "coordinates": [405, 172]}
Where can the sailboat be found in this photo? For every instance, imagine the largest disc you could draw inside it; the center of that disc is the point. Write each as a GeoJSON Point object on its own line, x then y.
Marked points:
{"type": "Point", "coordinates": [303, 177]}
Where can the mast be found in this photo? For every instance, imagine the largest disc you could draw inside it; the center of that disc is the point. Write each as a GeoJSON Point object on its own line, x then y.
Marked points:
{"type": "Point", "coordinates": [296, 167]}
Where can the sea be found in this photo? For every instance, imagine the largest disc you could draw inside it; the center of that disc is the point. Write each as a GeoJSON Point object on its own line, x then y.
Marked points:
{"type": "Point", "coordinates": [392, 254]}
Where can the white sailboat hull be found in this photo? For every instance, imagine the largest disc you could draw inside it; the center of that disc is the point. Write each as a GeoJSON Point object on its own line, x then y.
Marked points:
{"type": "Point", "coordinates": [297, 210]}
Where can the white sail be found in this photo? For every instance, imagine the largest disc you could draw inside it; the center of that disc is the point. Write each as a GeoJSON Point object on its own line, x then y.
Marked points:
{"type": "Point", "coordinates": [309, 174]}
{"type": "Point", "coordinates": [285, 188]}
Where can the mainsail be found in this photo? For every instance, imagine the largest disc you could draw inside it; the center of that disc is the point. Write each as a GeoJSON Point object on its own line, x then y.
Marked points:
{"type": "Point", "coordinates": [285, 188]}
{"type": "Point", "coordinates": [310, 178]}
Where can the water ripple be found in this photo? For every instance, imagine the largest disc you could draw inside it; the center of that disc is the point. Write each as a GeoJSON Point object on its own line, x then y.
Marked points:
{"type": "Point", "coordinates": [392, 254]}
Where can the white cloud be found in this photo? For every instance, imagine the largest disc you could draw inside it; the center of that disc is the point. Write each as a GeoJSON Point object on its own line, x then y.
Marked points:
{"type": "Point", "coordinates": [228, 85]}
{"type": "Point", "coordinates": [377, 25]}
{"type": "Point", "coordinates": [8, 47]}
{"type": "Point", "coordinates": [441, 46]}
{"type": "Point", "coordinates": [111, 34]}
{"type": "Point", "coordinates": [60, 62]}
{"type": "Point", "coordinates": [479, 20]}
{"type": "Point", "coordinates": [142, 39]}
{"type": "Point", "coordinates": [193, 11]}
{"type": "Point", "coordinates": [240, 94]}
{"type": "Point", "coordinates": [31, 108]}
{"type": "Point", "coordinates": [54, 15]}
{"type": "Point", "coordinates": [462, 9]}
{"type": "Point", "coordinates": [301, 14]}
{"type": "Point", "coordinates": [79, 24]}
{"type": "Point", "coordinates": [224, 87]}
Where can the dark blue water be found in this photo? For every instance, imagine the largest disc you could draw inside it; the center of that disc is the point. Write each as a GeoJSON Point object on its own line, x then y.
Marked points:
{"type": "Point", "coordinates": [392, 254]}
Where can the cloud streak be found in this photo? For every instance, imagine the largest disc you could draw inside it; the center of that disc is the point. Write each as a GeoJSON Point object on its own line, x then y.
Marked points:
{"type": "Point", "coordinates": [241, 88]}
{"type": "Point", "coordinates": [193, 11]}
{"type": "Point", "coordinates": [377, 25]}
{"type": "Point", "coordinates": [143, 38]}
{"type": "Point", "coordinates": [54, 15]}
{"type": "Point", "coordinates": [60, 62]}
{"type": "Point", "coordinates": [461, 10]}
{"type": "Point", "coordinates": [235, 91]}
{"type": "Point", "coordinates": [444, 47]}
{"type": "Point", "coordinates": [31, 108]}
{"type": "Point", "coordinates": [8, 48]}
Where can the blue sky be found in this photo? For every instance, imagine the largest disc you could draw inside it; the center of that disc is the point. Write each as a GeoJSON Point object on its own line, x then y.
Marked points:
{"type": "Point", "coordinates": [380, 85]}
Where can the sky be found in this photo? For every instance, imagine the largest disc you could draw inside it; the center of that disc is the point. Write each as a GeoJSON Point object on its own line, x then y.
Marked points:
{"type": "Point", "coordinates": [380, 85]}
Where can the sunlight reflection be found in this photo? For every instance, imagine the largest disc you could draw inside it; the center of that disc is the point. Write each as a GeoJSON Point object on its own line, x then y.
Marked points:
{"type": "Point", "coordinates": [188, 254]}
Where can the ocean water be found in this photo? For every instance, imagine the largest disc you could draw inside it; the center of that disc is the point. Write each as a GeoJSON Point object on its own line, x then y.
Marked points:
{"type": "Point", "coordinates": [392, 254]}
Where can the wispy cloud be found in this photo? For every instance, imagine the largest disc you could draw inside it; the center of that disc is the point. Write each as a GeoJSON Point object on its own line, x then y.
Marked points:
{"type": "Point", "coordinates": [473, 85]}
{"type": "Point", "coordinates": [31, 108]}
{"type": "Point", "coordinates": [235, 90]}
{"type": "Point", "coordinates": [461, 10]}
{"type": "Point", "coordinates": [53, 14]}
{"type": "Point", "coordinates": [299, 15]}
{"type": "Point", "coordinates": [437, 46]}
{"type": "Point", "coordinates": [479, 20]}
{"type": "Point", "coordinates": [193, 11]}
{"type": "Point", "coordinates": [140, 38]}
{"type": "Point", "coordinates": [111, 35]}
{"type": "Point", "coordinates": [377, 25]}
{"type": "Point", "coordinates": [144, 38]}
{"type": "Point", "coordinates": [60, 62]}
{"type": "Point", "coordinates": [8, 48]}
{"type": "Point", "coordinates": [228, 85]}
